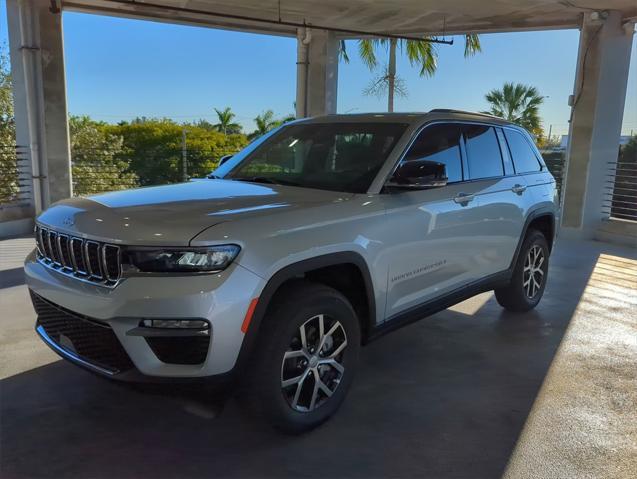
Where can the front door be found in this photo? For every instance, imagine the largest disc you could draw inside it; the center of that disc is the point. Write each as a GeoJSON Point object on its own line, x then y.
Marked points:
{"type": "Point", "coordinates": [430, 247]}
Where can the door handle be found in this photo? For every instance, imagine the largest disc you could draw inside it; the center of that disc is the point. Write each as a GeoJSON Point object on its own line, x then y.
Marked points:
{"type": "Point", "coordinates": [518, 188]}
{"type": "Point", "coordinates": [463, 198]}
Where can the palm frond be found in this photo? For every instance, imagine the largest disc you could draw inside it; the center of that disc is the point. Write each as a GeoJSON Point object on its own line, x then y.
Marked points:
{"type": "Point", "coordinates": [367, 52]}
{"type": "Point", "coordinates": [472, 45]}
{"type": "Point", "coordinates": [342, 51]}
{"type": "Point", "coordinates": [517, 103]}
{"type": "Point", "coordinates": [422, 54]}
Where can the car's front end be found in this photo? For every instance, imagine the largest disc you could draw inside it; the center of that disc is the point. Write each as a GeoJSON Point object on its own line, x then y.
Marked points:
{"type": "Point", "coordinates": [150, 284]}
{"type": "Point", "coordinates": [98, 308]}
{"type": "Point", "coordinates": [119, 290]}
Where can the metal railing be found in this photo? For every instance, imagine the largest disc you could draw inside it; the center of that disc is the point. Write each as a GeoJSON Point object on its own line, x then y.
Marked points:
{"type": "Point", "coordinates": [620, 183]}
{"type": "Point", "coordinates": [16, 185]}
{"type": "Point", "coordinates": [620, 189]}
{"type": "Point", "coordinates": [556, 163]}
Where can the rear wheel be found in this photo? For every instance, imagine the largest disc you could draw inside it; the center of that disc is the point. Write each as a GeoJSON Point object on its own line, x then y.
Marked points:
{"type": "Point", "coordinates": [529, 277]}
{"type": "Point", "coordinates": [306, 358]}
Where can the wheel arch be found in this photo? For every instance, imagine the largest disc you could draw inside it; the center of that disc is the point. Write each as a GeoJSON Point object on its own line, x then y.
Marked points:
{"type": "Point", "coordinates": [542, 219]}
{"type": "Point", "coordinates": [314, 269]}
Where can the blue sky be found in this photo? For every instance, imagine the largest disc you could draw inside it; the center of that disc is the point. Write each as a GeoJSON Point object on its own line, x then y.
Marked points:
{"type": "Point", "coordinates": [119, 68]}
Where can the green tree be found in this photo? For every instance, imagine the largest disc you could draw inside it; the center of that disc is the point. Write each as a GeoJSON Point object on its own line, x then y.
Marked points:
{"type": "Point", "coordinates": [421, 54]}
{"type": "Point", "coordinates": [265, 122]}
{"type": "Point", "coordinates": [154, 147]}
{"type": "Point", "coordinates": [96, 162]}
{"type": "Point", "coordinates": [9, 185]}
{"type": "Point", "coordinates": [226, 125]}
{"type": "Point", "coordinates": [519, 104]}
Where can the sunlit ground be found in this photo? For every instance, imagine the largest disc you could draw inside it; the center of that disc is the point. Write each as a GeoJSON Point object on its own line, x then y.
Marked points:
{"type": "Point", "coordinates": [584, 417]}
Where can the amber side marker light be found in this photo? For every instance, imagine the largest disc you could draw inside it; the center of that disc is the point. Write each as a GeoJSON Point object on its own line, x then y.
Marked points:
{"type": "Point", "coordinates": [246, 321]}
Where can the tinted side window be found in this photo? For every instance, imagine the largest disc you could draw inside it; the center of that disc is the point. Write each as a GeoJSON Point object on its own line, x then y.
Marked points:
{"type": "Point", "coordinates": [506, 155]}
{"type": "Point", "coordinates": [523, 155]}
{"type": "Point", "coordinates": [439, 143]}
{"type": "Point", "coordinates": [483, 152]}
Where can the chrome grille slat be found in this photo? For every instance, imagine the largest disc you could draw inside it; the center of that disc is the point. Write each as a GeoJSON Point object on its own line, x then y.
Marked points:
{"type": "Point", "coordinates": [110, 253]}
{"type": "Point", "coordinates": [44, 234]}
{"type": "Point", "coordinates": [78, 263]}
{"type": "Point", "coordinates": [93, 263]}
{"type": "Point", "coordinates": [50, 237]}
{"type": "Point", "coordinates": [86, 260]}
{"type": "Point", "coordinates": [63, 251]}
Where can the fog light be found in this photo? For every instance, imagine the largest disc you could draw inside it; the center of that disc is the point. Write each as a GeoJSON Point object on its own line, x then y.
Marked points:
{"type": "Point", "coordinates": [176, 323]}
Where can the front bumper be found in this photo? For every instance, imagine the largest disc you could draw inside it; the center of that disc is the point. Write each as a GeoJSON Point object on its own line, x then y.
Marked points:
{"type": "Point", "coordinates": [221, 298]}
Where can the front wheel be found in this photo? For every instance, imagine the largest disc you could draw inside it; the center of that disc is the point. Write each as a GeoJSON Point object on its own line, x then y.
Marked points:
{"type": "Point", "coordinates": [529, 277]}
{"type": "Point", "coordinates": [306, 358]}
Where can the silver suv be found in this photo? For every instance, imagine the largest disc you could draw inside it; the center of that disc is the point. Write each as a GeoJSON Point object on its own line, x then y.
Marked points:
{"type": "Point", "coordinates": [315, 239]}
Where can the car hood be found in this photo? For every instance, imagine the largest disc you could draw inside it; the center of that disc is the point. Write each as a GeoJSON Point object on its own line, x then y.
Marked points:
{"type": "Point", "coordinates": [174, 214]}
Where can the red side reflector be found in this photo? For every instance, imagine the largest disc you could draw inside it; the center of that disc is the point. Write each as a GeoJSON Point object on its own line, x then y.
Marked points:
{"type": "Point", "coordinates": [249, 313]}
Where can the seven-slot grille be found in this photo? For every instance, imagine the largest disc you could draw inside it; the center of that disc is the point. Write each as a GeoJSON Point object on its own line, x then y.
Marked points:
{"type": "Point", "coordinates": [89, 260]}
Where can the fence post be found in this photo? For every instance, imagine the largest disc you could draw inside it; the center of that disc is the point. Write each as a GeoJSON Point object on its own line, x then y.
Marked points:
{"type": "Point", "coordinates": [184, 155]}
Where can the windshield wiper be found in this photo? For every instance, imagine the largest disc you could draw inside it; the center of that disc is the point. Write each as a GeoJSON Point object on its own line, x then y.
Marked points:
{"type": "Point", "coordinates": [258, 179]}
{"type": "Point", "coordinates": [272, 181]}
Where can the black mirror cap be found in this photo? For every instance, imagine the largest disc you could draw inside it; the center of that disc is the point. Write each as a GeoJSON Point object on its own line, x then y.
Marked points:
{"type": "Point", "coordinates": [223, 159]}
{"type": "Point", "coordinates": [419, 175]}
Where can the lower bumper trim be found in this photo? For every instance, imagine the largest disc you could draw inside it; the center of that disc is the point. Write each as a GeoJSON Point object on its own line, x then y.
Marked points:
{"type": "Point", "coordinates": [66, 354]}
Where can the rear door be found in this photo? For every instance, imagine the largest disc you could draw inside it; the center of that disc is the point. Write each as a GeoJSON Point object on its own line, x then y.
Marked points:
{"type": "Point", "coordinates": [501, 198]}
{"type": "Point", "coordinates": [530, 168]}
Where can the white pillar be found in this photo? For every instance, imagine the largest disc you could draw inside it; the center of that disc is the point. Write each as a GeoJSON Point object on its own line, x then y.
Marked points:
{"type": "Point", "coordinates": [39, 93]}
{"type": "Point", "coordinates": [317, 72]}
{"type": "Point", "coordinates": [599, 97]}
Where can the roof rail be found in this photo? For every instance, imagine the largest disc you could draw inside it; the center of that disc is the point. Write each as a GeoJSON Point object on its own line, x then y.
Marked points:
{"type": "Point", "coordinates": [451, 110]}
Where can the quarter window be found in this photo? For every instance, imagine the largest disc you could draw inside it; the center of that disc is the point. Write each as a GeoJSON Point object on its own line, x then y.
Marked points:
{"type": "Point", "coordinates": [441, 144]}
{"type": "Point", "coordinates": [523, 155]}
{"type": "Point", "coordinates": [483, 152]}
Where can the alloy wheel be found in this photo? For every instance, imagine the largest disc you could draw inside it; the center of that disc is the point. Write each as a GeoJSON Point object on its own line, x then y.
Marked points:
{"type": "Point", "coordinates": [533, 274]}
{"type": "Point", "coordinates": [312, 367]}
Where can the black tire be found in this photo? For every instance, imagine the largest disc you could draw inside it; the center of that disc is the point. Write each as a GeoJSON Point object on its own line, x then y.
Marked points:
{"type": "Point", "coordinates": [518, 295]}
{"type": "Point", "coordinates": [263, 391]}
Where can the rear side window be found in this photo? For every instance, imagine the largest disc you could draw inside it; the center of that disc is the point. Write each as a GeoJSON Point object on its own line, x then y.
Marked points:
{"type": "Point", "coordinates": [483, 152]}
{"type": "Point", "coordinates": [523, 155]}
{"type": "Point", "coordinates": [441, 144]}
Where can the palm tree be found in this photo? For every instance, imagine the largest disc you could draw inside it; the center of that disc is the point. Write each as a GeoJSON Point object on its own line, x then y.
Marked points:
{"type": "Point", "coordinates": [422, 54]}
{"type": "Point", "coordinates": [265, 122]}
{"type": "Point", "coordinates": [518, 104]}
{"type": "Point", "coordinates": [225, 124]}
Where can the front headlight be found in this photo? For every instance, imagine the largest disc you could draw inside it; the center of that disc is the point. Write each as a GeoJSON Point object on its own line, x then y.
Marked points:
{"type": "Point", "coordinates": [186, 260]}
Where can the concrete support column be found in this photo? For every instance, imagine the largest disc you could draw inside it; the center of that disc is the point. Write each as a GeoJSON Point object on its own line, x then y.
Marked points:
{"type": "Point", "coordinates": [39, 93]}
{"type": "Point", "coordinates": [317, 72]}
{"type": "Point", "coordinates": [597, 109]}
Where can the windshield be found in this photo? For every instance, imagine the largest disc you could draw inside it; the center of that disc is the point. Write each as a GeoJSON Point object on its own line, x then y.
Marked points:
{"type": "Point", "coordinates": [329, 156]}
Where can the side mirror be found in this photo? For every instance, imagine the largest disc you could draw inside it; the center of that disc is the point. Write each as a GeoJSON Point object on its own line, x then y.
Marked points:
{"type": "Point", "coordinates": [418, 175]}
{"type": "Point", "coordinates": [223, 159]}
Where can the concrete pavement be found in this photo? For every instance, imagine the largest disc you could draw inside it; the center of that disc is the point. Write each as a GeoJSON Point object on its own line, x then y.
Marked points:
{"type": "Point", "coordinates": [472, 392]}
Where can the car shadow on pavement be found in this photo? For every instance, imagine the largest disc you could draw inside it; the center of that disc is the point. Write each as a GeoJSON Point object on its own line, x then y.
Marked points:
{"type": "Point", "coordinates": [444, 397]}
{"type": "Point", "coordinates": [12, 277]}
